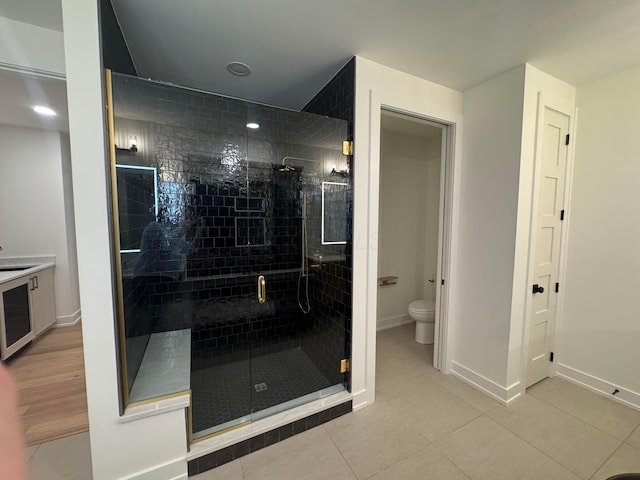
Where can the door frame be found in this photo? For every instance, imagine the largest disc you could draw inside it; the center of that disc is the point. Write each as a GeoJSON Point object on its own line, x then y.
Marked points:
{"type": "Point", "coordinates": [447, 258]}
{"type": "Point", "coordinates": [563, 106]}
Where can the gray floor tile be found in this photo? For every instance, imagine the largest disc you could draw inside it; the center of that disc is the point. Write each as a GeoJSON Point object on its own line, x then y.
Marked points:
{"type": "Point", "coordinates": [391, 371]}
{"type": "Point", "coordinates": [634, 438]}
{"type": "Point", "coordinates": [466, 392]}
{"type": "Point", "coordinates": [433, 410]}
{"type": "Point", "coordinates": [65, 459]}
{"type": "Point", "coordinates": [573, 443]}
{"type": "Point", "coordinates": [484, 450]}
{"type": "Point", "coordinates": [31, 452]}
{"type": "Point", "coordinates": [374, 439]}
{"type": "Point", "coordinates": [603, 413]}
{"type": "Point", "coordinates": [625, 460]}
{"type": "Point", "coordinates": [425, 463]}
{"type": "Point", "coordinates": [308, 456]}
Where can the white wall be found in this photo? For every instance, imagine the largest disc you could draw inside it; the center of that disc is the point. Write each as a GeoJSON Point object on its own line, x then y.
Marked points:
{"type": "Point", "coordinates": [73, 290]}
{"type": "Point", "coordinates": [153, 447]}
{"type": "Point", "coordinates": [29, 48]}
{"type": "Point", "coordinates": [402, 224]}
{"type": "Point", "coordinates": [487, 226]}
{"type": "Point", "coordinates": [378, 83]}
{"type": "Point", "coordinates": [33, 217]}
{"type": "Point", "coordinates": [599, 336]}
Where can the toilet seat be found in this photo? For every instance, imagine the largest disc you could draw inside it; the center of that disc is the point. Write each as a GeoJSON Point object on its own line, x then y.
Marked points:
{"type": "Point", "coordinates": [422, 307]}
{"type": "Point", "coordinates": [423, 312]}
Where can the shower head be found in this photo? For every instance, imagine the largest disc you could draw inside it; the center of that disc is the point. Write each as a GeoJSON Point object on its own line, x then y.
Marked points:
{"type": "Point", "coordinates": [288, 167]}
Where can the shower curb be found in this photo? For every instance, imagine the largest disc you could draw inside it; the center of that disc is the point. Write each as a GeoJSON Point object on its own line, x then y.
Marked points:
{"type": "Point", "coordinates": [253, 444]}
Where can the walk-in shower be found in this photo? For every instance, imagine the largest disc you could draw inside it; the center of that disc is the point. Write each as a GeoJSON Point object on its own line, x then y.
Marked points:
{"type": "Point", "coordinates": [233, 303]}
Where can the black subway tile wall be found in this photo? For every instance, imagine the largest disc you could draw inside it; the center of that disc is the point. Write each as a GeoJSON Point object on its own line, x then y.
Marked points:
{"type": "Point", "coordinates": [227, 206]}
{"type": "Point", "coordinates": [337, 98]}
{"type": "Point", "coordinates": [115, 53]}
{"type": "Point", "coordinates": [332, 289]}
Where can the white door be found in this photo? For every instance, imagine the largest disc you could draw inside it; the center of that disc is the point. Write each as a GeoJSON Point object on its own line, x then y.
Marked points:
{"type": "Point", "coordinates": [546, 250]}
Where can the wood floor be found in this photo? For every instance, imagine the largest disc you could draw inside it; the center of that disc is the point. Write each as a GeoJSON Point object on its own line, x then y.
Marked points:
{"type": "Point", "coordinates": [50, 377]}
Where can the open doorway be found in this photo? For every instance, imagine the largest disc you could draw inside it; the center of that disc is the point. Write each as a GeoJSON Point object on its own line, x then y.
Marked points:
{"type": "Point", "coordinates": [39, 287]}
{"type": "Point", "coordinates": [412, 239]}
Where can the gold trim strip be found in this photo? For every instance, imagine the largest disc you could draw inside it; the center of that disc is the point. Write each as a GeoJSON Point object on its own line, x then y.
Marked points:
{"type": "Point", "coordinates": [226, 430]}
{"type": "Point", "coordinates": [190, 421]}
{"type": "Point", "coordinates": [115, 233]}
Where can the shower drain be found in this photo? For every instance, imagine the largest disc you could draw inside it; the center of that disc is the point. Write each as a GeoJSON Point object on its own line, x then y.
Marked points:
{"type": "Point", "coordinates": [260, 387]}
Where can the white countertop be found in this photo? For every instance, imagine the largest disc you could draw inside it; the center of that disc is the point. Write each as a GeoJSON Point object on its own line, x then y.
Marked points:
{"type": "Point", "coordinates": [36, 264]}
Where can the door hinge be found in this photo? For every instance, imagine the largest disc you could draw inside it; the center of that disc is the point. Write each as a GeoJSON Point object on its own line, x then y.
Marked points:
{"type": "Point", "coordinates": [557, 287]}
{"type": "Point", "coordinates": [347, 147]}
{"type": "Point", "coordinates": [561, 215]}
{"type": "Point", "coordinates": [566, 140]}
{"type": "Point", "coordinates": [345, 365]}
{"type": "Point", "coordinates": [442, 282]}
{"type": "Point", "coordinates": [551, 356]}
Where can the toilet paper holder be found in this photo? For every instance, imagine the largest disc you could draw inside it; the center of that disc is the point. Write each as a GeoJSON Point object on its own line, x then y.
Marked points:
{"type": "Point", "coordinates": [386, 281]}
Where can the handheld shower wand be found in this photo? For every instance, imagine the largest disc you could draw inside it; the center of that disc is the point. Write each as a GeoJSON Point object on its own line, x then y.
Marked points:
{"type": "Point", "coordinates": [304, 270]}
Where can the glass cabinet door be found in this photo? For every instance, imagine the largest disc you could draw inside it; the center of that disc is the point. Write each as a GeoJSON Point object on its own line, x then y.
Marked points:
{"type": "Point", "coordinates": [16, 316]}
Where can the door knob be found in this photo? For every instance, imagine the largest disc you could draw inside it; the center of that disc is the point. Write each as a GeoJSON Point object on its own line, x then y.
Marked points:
{"type": "Point", "coordinates": [537, 288]}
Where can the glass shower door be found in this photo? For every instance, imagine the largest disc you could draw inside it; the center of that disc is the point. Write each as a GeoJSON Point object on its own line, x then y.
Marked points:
{"type": "Point", "coordinates": [221, 356]}
{"type": "Point", "coordinates": [298, 327]}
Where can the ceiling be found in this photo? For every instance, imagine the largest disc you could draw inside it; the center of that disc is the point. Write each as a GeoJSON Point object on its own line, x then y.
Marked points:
{"type": "Point", "coordinates": [43, 13]}
{"type": "Point", "coordinates": [295, 46]}
{"type": "Point", "coordinates": [21, 92]}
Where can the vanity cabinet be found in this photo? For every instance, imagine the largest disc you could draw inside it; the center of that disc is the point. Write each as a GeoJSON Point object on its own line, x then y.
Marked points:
{"type": "Point", "coordinates": [42, 300]}
{"type": "Point", "coordinates": [27, 309]}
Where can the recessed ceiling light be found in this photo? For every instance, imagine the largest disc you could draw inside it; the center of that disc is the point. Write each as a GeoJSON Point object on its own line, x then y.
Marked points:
{"type": "Point", "coordinates": [253, 125]}
{"type": "Point", "coordinates": [45, 111]}
{"type": "Point", "coordinates": [239, 69]}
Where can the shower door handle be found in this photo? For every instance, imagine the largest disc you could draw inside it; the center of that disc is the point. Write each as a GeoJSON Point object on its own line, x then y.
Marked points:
{"type": "Point", "coordinates": [262, 289]}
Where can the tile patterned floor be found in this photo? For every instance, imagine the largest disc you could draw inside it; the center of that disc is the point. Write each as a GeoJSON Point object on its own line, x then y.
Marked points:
{"type": "Point", "coordinates": [425, 425]}
{"type": "Point", "coordinates": [227, 392]}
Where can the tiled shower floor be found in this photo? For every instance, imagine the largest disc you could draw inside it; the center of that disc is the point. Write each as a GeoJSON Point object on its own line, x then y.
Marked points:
{"type": "Point", "coordinates": [225, 393]}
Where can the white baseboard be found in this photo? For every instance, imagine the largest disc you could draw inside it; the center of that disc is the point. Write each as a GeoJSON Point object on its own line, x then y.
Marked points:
{"type": "Point", "coordinates": [68, 320]}
{"type": "Point", "coordinates": [395, 321]}
{"type": "Point", "coordinates": [173, 470]}
{"type": "Point", "coordinates": [361, 399]}
{"type": "Point", "coordinates": [502, 394]}
{"type": "Point", "coordinates": [600, 386]}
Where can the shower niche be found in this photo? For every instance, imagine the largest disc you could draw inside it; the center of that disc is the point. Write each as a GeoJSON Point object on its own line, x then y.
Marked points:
{"type": "Point", "coordinates": [233, 294]}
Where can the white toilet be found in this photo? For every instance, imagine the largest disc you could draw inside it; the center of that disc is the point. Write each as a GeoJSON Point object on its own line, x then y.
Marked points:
{"type": "Point", "coordinates": [423, 312]}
